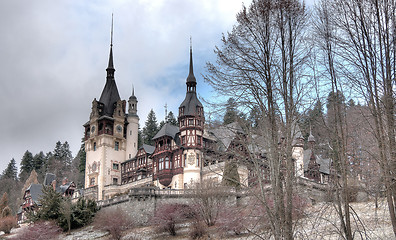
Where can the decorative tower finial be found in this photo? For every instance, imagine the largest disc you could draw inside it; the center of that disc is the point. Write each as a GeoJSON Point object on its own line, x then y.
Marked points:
{"type": "Point", "coordinates": [110, 69]}
{"type": "Point", "coordinates": [166, 112]}
{"type": "Point", "coordinates": [111, 41]}
{"type": "Point", "coordinates": [133, 90]}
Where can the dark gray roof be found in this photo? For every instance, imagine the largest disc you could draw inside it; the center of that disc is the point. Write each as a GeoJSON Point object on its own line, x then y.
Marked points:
{"type": "Point", "coordinates": [297, 134]}
{"type": "Point", "coordinates": [190, 104]}
{"type": "Point", "coordinates": [225, 134]}
{"type": "Point", "coordinates": [110, 94]}
{"type": "Point", "coordinates": [35, 192]}
{"type": "Point", "coordinates": [167, 130]}
{"type": "Point", "coordinates": [49, 177]}
{"type": "Point", "coordinates": [324, 163]}
{"type": "Point", "coordinates": [191, 101]}
{"type": "Point", "coordinates": [148, 148]}
{"type": "Point", "coordinates": [62, 189]}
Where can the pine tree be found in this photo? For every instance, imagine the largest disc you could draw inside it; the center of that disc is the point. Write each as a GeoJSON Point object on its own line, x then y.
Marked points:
{"type": "Point", "coordinates": [231, 176]}
{"type": "Point", "coordinates": [83, 156]}
{"type": "Point", "coordinates": [67, 156]}
{"type": "Point", "coordinates": [50, 204]}
{"type": "Point", "coordinates": [150, 128]}
{"type": "Point", "coordinates": [171, 119]}
{"type": "Point", "coordinates": [11, 171]}
{"type": "Point", "coordinates": [39, 162]}
{"type": "Point", "coordinates": [140, 138]}
{"type": "Point", "coordinates": [231, 114]}
{"type": "Point", "coordinates": [27, 165]}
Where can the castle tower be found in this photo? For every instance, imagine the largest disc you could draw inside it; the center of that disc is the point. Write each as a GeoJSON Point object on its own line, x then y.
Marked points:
{"type": "Point", "coordinates": [191, 123]}
{"type": "Point", "coordinates": [133, 127]}
{"type": "Point", "coordinates": [298, 150]}
{"type": "Point", "coordinates": [105, 140]}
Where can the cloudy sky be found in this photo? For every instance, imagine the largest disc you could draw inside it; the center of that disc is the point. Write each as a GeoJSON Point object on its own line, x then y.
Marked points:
{"type": "Point", "coordinates": [53, 56]}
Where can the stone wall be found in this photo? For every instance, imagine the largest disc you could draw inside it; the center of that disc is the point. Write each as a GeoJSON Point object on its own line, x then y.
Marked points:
{"type": "Point", "coordinates": [141, 203]}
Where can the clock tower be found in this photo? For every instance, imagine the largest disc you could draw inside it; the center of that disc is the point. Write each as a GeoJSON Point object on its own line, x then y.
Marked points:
{"type": "Point", "coordinates": [191, 124]}
{"type": "Point", "coordinates": [106, 137]}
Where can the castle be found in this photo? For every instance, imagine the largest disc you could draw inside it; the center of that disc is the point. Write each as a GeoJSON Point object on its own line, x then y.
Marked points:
{"type": "Point", "coordinates": [115, 163]}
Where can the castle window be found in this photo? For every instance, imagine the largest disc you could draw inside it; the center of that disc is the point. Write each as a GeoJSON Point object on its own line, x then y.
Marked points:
{"type": "Point", "coordinates": [182, 123]}
{"type": "Point", "coordinates": [197, 160]}
{"type": "Point", "coordinates": [185, 159]}
{"type": "Point", "coordinates": [92, 181]}
{"type": "Point", "coordinates": [160, 165]}
{"type": "Point", "coordinates": [167, 163]}
{"type": "Point", "coordinates": [116, 146]}
{"type": "Point", "coordinates": [130, 132]}
{"type": "Point", "coordinates": [199, 140]}
{"type": "Point", "coordinates": [94, 147]}
{"type": "Point", "coordinates": [115, 181]}
{"type": "Point", "coordinates": [190, 122]}
{"type": "Point", "coordinates": [183, 140]}
{"type": "Point", "coordinates": [115, 166]}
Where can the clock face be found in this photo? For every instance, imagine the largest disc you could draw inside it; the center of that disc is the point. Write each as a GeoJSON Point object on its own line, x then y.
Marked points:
{"type": "Point", "coordinates": [119, 128]}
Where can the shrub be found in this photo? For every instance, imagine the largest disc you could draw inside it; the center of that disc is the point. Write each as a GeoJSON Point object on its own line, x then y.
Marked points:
{"type": "Point", "coordinates": [197, 229]}
{"type": "Point", "coordinates": [115, 221]}
{"type": "Point", "coordinates": [6, 212]}
{"type": "Point", "coordinates": [168, 215]}
{"type": "Point", "coordinates": [8, 223]}
{"type": "Point", "coordinates": [231, 219]}
{"type": "Point", "coordinates": [40, 230]}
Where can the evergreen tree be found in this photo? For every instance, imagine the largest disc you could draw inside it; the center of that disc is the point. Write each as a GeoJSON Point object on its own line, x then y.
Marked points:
{"type": "Point", "coordinates": [11, 171]}
{"type": "Point", "coordinates": [67, 156]}
{"type": "Point", "coordinates": [50, 204]}
{"type": "Point", "coordinates": [231, 176]}
{"type": "Point", "coordinates": [255, 117]}
{"type": "Point", "coordinates": [150, 128]}
{"type": "Point", "coordinates": [83, 157]}
{"type": "Point", "coordinates": [172, 119]}
{"type": "Point", "coordinates": [39, 162]}
{"type": "Point", "coordinates": [27, 165]}
{"type": "Point", "coordinates": [58, 150]}
{"type": "Point", "coordinates": [140, 138]}
{"type": "Point", "coordinates": [161, 124]}
{"type": "Point", "coordinates": [231, 114]}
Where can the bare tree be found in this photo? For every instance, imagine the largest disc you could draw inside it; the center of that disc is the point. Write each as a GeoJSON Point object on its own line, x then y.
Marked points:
{"type": "Point", "coordinates": [260, 65]}
{"type": "Point", "coordinates": [365, 37]}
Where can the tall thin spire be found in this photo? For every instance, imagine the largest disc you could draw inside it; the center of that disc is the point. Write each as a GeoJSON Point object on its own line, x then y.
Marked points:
{"type": "Point", "coordinates": [191, 81]}
{"type": "Point", "coordinates": [110, 68]}
{"type": "Point", "coordinates": [191, 73]}
{"type": "Point", "coordinates": [111, 41]}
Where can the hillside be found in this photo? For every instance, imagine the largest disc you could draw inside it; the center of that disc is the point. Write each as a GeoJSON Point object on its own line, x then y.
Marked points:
{"type": "Point", "coordinates": [320, 222]}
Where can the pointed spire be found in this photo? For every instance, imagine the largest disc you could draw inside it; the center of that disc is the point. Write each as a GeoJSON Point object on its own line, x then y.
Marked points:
{"type": "Point", "coordinates": [110, 68]}
{"type": "Point", "coordinates": [191, 73]}
{"type": "Point", "coordinates": [133, 90]}
{"type": "Point", "coordinates": [311, 138]}
{"type": "Point", "coordinates": [191, 81]}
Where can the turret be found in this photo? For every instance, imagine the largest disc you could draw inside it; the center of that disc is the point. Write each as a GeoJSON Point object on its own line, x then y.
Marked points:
{"type": "Point", "coordinates": [133, 127]}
